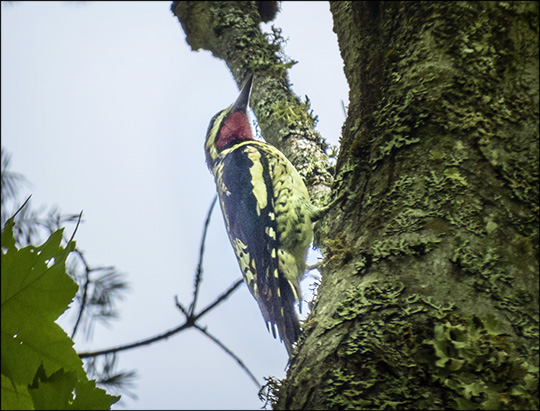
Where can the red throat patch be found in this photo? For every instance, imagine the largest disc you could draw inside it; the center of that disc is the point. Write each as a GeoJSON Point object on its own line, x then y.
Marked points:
{"type": "Point", "coordinates": [235, 128]}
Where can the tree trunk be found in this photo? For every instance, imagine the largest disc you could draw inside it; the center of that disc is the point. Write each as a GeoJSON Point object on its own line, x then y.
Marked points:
{"type": "Point", "coordinates": [429, 293]}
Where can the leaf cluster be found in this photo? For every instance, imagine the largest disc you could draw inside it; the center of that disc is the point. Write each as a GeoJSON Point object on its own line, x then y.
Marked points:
{"type": "Point", "coordinates": [40, 368]}
{"type": "Point", "coordinates": [99, 288]}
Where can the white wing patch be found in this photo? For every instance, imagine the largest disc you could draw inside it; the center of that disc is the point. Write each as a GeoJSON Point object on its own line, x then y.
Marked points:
{"type": "Point", "coordinates": [257, 180]}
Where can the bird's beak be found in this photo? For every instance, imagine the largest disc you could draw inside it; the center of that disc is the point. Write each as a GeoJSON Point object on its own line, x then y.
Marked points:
{"type": "Point", "coordinates": [242, 101]}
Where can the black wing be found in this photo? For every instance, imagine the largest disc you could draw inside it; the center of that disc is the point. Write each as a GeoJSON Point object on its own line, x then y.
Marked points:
{"type": "Point", "coordinates": [247, 201]}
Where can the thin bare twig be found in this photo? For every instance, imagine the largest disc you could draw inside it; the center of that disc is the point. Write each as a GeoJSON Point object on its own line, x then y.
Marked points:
{"type": "Point", "coordinates": [198, 275]}
{"type": "Point", "coordinates": [136, 344]}
{"type": "Point", "coordinates": [238, 360]}
{"type": "Point", "coordinates": [188, 323]}
{"type": "Point", "coordinates": [21, 207]}
{"type": "Point", "coordinates": [87, 271]}
{"type": "Point", "coordinates": [85, 294]}
{"type": "Point", "coordinates": [222, 297]}
{"type": "Point", "coordinates": [181, 307]}
{"type": "Point", "coordinates": [87, 281]}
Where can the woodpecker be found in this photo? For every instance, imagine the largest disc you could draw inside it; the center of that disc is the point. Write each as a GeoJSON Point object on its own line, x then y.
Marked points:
{"type": "Point", "coordinates": [267, 212]}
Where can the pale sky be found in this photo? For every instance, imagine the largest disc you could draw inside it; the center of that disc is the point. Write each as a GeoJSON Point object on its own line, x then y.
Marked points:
{"type": "Point", "coordinates": [105, 109]}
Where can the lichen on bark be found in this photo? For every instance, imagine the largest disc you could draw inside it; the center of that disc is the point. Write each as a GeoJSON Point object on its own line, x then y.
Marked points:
{"type": "Point", "coordinates": [439, 156]}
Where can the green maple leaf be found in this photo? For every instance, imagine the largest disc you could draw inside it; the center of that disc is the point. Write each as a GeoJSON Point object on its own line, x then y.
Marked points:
{"type": "Point", "coordinates": [35, 291]}
{"type": "Point", "coordinates": [15, 397]}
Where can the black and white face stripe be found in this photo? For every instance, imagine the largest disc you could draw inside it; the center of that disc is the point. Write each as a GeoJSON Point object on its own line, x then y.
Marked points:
{"type": "Point", "coordinates": [211, 137]}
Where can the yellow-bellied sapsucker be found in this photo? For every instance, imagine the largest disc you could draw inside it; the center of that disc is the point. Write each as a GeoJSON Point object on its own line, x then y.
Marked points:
{"type": "Point", "coordinates": [267, 210]}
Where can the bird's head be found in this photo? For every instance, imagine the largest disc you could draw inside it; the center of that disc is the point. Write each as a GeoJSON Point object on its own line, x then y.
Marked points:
{"type": "Point", "coordinates": [229, 126]}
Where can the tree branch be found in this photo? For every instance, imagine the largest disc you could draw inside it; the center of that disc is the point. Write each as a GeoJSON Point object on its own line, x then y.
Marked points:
{"type": "Point", "coordinates": [190, 322]}
{"type": "Point", "coordinates": [285, 121]}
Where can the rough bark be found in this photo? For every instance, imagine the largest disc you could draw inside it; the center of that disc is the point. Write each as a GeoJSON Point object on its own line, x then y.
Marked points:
{"type": "Point", "coordinates": [429, 293]}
